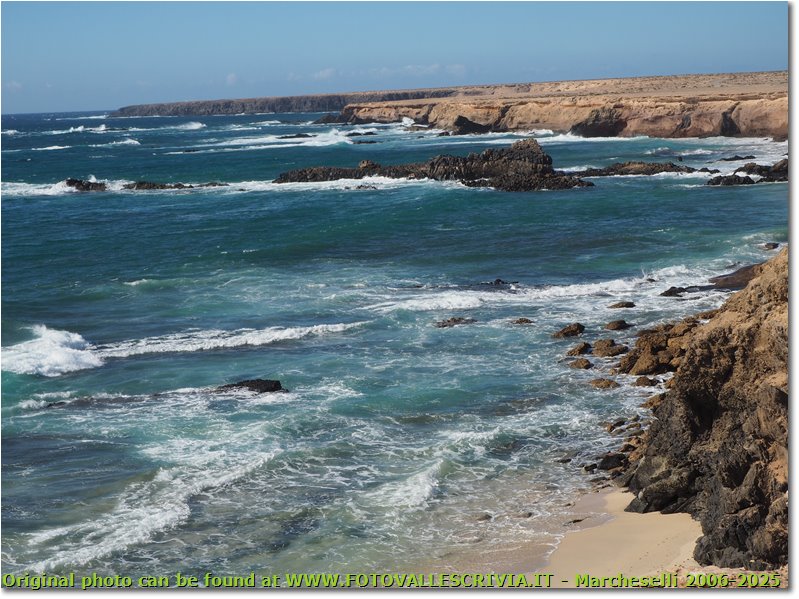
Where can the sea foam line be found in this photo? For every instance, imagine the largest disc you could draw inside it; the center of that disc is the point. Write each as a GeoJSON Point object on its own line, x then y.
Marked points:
{"type": "Point", "coordinates": [54, 352]}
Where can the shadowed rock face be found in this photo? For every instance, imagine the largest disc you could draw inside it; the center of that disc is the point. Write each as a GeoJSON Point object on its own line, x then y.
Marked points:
{"type": "Point", "coordinates": [522, 167]}
{"type": "Point", "coordinates": [769, 174]}
{"type": "Point", "coordinates": [718, 446]}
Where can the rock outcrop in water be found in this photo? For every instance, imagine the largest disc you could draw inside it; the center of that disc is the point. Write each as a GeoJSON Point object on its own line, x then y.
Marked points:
{"type": "Point", "coordinates": [718, 446]}
{"type": "Point", "coordinates": [768, 174]}
{"type": "Point", "coordinates": [640, 168]}
{"type": "Point", "coordinates": [522, 167]}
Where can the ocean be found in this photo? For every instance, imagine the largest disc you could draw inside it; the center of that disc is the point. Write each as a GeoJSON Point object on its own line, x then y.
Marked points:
{"type": "Point", "coordinates": [398, 445]}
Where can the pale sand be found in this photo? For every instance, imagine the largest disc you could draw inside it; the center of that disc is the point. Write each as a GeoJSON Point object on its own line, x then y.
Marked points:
{"type": "Point", "coordinates": [631, 544]}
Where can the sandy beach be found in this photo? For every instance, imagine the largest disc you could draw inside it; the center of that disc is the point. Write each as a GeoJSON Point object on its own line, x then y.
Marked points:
{"type": "Point", "coordinates": [630, 544]}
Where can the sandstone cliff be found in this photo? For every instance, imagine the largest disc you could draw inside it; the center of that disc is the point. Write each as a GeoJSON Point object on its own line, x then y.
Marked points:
{"type": "Point", "coordinates": [718, 447]}
{"type": "Point", "coordinates": [741, 104]}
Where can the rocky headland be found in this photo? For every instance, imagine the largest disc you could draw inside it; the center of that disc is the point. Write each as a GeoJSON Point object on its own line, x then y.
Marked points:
{"type": "Point", "coordinates": [717, 444]}
{"type": "Point", "coordinates": [735, 104]}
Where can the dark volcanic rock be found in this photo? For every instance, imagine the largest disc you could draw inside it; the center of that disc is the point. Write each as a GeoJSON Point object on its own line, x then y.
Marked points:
{"type": "Point", "coordinates": [522, 167]}
{"type": "Point", "coordinates": [769, 174]}
{"type": "Point", "coordinates": [451, 322]}
{"type": "Point", "coordinates": [522, 321]}
{"type": "Point", "coordinates": [771, 245]}
{"type": "Point", "coordinates": [360, 134]}
{"type": "Point", "coordinates": [602, 122]}
{"type": "Point", "coordinates": [622, 305]}
{"type": "Point", "coordinates": [257, 385]}
{"type": "Point", "coordinates": [149, 185]}
{"type": "Point", "coordinates": [645, 381]}
{"type": "Point", "coordinates": [736, 157]}
{"type": "Point", "coordinates": [612, 460]}
{"type": "Point", "coordinates": [726, 180]}
{"type": "Point", "coordinates": [82, 185]}
{"type": "Point", "coordinates": [738, 279]}
{"type": "Point", "coordinates": [365, 141]}
{"type": "Point", "coordinates": [296, 136]}
{"type": "Point", "coordinates": [637, 168]}
{"type": "Point", "coordinates": [571, 330]}
{"type": "Point", "coordinates": [674, 292]}
{"type": "Point", "coordinates": [718, 445]}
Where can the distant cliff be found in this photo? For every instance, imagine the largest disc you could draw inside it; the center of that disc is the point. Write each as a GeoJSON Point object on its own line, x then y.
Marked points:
{"type": "Point", "coordinates": [312, 103]}
{"type": "Point", "coordinates": [732, 104]}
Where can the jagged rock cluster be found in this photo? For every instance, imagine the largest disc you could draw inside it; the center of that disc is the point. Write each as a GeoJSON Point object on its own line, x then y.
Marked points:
{"type": "Point", "coordinates": [640, 168]}
{"type": "Point", "coordinates": [522, 167]}
{"type": "Point", "coordinates": [767, 174]}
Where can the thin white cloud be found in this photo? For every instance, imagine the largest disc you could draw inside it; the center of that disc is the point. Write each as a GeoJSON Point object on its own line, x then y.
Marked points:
{"type": "Point", "coordinates": [324, 74]}
{"type": "Point", "coordinates": [13, 86]}
{"type": "Point", "coordinates": [231, 79]}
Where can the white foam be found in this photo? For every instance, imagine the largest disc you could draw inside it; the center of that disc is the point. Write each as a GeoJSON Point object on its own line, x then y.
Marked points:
{"type": "Point", "coordinates": [51, 148]}
{"type": "Point", "coordinates": [10, 132]}
{"type": "Point", "coordinates": [51, 353]}
{"type": "Point", "coordinates": [413, 491]}
{"type": "Point", "coordinates": [190, 126]}
{"type": "Point", "coordinates": [54, 352]}
{"type": "Point", "coordinates": [35, 189]}
{"type": "Point", "coordinates": [266, 123]}
{"type": "Point", "coordinates": [128, 141]}
{"type": "Point", "coordinates": [204, 340]}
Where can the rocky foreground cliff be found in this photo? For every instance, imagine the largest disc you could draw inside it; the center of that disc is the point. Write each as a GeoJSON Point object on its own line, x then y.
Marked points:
{"type": "Point", "coordinates": [718, 445]}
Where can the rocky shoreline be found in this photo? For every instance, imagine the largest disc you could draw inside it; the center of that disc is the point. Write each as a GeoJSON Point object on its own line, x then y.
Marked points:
{"type": "Point", "coordinates": [716, 445]}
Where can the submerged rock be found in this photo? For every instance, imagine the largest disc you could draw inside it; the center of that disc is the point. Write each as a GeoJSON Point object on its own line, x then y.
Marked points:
{"type": "Point", "coordinates": [726, 180]}
{"type": "Point", "coordinates": [451, 322]}
{"type": "Point", "coordinates": [622, 305]}
{"type": "Point", "coordinates": [522, 320]}
{"type": "Point", "coordinates": [257, 385]}
{"type": "Point", "coordinates": [149, 185]}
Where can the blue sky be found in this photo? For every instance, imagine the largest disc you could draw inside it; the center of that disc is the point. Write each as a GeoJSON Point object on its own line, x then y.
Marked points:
{"type": "Point", "coordinates": [63, 56]}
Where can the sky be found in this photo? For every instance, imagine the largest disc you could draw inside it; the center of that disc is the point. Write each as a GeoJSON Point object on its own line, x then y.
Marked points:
{"type": "Point", "coordinates": [73, 56]}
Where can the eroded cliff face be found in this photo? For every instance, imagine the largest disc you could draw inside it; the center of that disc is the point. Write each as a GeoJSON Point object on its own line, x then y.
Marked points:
{"type": "Point", "coordinates": [594, 116]}
{"type": "Point", "coordinates": [718, 447]}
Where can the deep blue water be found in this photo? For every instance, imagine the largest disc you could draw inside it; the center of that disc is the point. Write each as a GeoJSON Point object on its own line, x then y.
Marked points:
{"type": "Point", "coordinates": [396, 437]}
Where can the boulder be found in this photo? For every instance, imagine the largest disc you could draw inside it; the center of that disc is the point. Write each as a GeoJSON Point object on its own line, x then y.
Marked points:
{"type": "Point", "coordinates": [618, 325]}
{"type": "Point", "coordinates": [581, 363]}
{"type": "Point", "coordinates": [645, 381]}
{"type": "Point", "coordinates": [571, 330]}
{"type": "Point", "coordinates": [604, 384]}
{"type": "Point", "coordinates": [522, 321]}
{"type": "Point", "coordinates": [674, 292]}
{"type": "Point", "coordinates": [607, 348]}
{"type": "Point", "coordinates": [463, 126]}
{"type": "Point", "coordinates": [622, 305]}
{"type": "Point", "coordinates": [738, 279]}
{"type": "Point", "coordinates": [579, 349]}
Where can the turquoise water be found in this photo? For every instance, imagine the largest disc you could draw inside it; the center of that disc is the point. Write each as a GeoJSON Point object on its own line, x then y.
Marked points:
{"type": "Point", "coordinates": [395, 437]}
